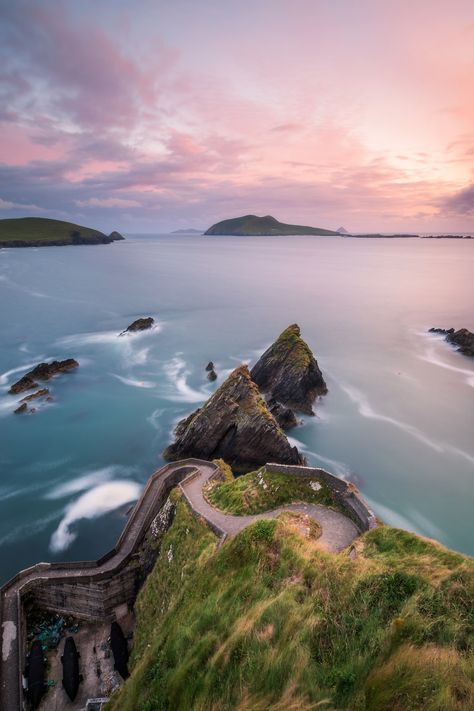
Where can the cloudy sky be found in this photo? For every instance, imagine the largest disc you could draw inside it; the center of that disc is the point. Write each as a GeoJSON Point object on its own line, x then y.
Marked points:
{"type": "Point", "coordinates": [150, 115]}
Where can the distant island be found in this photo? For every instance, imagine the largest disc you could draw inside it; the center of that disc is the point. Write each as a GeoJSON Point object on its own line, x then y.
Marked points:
{"type": "Point", "coordinates": [190, 231]}
{"type": "Point", "coordinates": [44, 232]}
{"type": "Point", "coordinates": [252, 225]}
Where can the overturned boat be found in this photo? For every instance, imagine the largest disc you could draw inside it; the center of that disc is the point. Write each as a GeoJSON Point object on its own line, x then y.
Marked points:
{"type": "Point", "coordinates": [35, 674]}
{"type": "Point", "coordinates": [70, 662]}
{"type": "Point", "coordinates": [119, 647]}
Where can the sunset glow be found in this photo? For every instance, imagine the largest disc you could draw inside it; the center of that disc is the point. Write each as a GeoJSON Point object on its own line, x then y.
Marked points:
{"type": "Point", "coordinates": [158, 115]}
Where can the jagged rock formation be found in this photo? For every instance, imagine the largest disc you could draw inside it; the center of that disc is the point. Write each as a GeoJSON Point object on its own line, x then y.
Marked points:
{"type": "Point", "coordinates": [463, 339]}
{"type": "Point", "coordinates": [43, 371]}
{"type": "Point", "coordinates": [285, 417]}
{"type": "Point", "coordinates": [141, 324]}
{"type": "Point", "coordinates": [289, 373]}
{"type": "Point", "coordinates": [235, 425]}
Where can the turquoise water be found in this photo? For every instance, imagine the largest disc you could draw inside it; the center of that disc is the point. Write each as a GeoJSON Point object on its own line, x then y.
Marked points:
{"type": "Point", "coordinates": [398, 418]}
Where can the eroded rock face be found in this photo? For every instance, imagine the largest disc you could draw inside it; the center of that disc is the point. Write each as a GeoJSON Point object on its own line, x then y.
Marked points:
{"type": "Point", "coordinates": [463, 339]}
{"type": "Point", "coordinates": [285, 417]}
{"type": "Point", "coordinates": [141, 324]}
{"type": "Point", "coordinates": [235, 425]}
{"type": "Point", "coordinates": [43, 371]}
{"type": "Point", "coordinates": [289, 373]}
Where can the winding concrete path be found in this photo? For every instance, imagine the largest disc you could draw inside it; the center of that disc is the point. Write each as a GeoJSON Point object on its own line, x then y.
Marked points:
{"type": "Point", "coordinates": [338, 531]}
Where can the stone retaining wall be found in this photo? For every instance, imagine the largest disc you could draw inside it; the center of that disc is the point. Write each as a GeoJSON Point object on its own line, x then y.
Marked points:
{"type": "Point", "coordinates": [346, 494]}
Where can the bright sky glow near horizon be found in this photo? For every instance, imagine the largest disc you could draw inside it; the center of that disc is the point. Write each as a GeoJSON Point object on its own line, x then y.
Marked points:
{"type": "Point", "coordinates": [152, 115]}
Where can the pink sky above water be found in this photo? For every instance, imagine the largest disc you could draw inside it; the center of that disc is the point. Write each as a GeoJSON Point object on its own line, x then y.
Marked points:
{"type": "Point", "coordinates": [151, 115]}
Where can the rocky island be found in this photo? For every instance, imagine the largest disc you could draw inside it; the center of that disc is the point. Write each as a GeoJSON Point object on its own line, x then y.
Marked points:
{"type": "Point", "coordinates": [289, 373]}
{"type": "Point", "coordinates": [236, 425]}
{"type": "Point", "coordinates": [44, 232]}
{"type": "Point", "coordinates": [140, 324]}
{"type": "Point", "coordinates": [463, 339]}
{"type": "Point", "coordinates": [43, 371]}
{"type": "Point", "coordinates": [252, 225]}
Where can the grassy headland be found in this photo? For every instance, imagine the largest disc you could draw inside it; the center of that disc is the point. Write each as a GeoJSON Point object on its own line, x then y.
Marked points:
{"type": "Point", "coordinates": [42, 231]}
{"type": "Point", "coordinates": [252, 225]}
{"type": "Point", "coordinates": [269, 621]}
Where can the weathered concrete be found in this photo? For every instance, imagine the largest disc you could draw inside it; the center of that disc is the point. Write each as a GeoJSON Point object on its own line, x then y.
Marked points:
{"type": "Point", "coordinates": [54, 584]}
{"type": "Point", "coordinates": [92, 590]}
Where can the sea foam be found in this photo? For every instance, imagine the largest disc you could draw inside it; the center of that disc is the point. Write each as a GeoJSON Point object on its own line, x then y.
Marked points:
{"type": "Point", "coordinates": [94, 503]}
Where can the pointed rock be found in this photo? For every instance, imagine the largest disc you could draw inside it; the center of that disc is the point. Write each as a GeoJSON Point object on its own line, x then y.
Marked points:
{"type": "Point", "coordinates": [289, 372]}
{"type": "Point", "coordinates": [236, 425]}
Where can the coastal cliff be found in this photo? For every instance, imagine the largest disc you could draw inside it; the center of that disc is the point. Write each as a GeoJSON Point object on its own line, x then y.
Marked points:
{"type": "Point", "coordinates": [234, 424]}
{"type": "Point", "coordinates": [44, 232]}
{"type": "Point", "coordinates": [289, 373]}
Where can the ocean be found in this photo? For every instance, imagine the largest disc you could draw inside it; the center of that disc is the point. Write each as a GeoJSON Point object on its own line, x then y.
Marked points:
{"type": "Point", "coordinates": [398, 419]}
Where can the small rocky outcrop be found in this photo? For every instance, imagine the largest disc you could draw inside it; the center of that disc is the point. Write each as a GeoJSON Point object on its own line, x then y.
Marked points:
{"type": "Point", "coordinates": [141, 324]}
{"type": "Point", "coordinates": [21, 409]}
{"type": "Point", "coordinates": [43, 371]}
{"type": "Point", "coordinates": [285, 417]}
{"type": "Point", "coordinates": [34, 396]}
{"type": "Point", "coordinates": [235, 425]}
{"type": "Point", "coordinates": [289, 373]}
{"type": "Point", "coordinates": [211, 371]}
{"type": "Point", "coordinates": [463, 339]}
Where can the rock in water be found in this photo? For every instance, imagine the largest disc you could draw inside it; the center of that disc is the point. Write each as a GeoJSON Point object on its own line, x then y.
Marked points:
{"type": "Point", "coordinates": [235, 425]}
{"type": "Point", "coordinates": [285, 417]}
{"type": "Point", "coordinates": [141, 324]}
{"type": "Point", "coordinates": [43, 371]}
{"type": "Point", "coordinates": [289, 373]}
{"type": "Point", "coordinates": [463, 339]}
{"type": "Point", "coordinates": [210, 366]}
{"type": "Point", "coordinates": [212, 375]}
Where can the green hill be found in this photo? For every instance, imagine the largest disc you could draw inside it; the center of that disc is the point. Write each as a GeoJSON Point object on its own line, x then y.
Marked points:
{"type": "Point", "coordinates": [42, 231]}
{"type": "Point", "coordinates": [270, 622]}
{"type": "Point", "coordinates": [252, 225]}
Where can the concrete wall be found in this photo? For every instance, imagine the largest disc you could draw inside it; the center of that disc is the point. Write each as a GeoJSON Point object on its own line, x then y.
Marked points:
{"type": "Point", "coordinates": [346, 494]}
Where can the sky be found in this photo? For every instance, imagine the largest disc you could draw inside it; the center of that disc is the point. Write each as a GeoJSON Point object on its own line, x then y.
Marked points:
{"type": "Point", "coordinates": [155, 115]}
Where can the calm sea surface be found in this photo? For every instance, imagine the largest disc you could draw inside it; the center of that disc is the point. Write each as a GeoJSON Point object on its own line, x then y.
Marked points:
{"type": "Point", "coordinates": [398, 418]}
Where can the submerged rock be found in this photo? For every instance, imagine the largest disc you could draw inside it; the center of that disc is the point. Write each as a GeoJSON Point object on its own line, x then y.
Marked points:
{"type": "Point", "coordinates": [285, 417]}
{"type": "Point", "coordinates": [43, 371]}
{"type": "Point", "coordinates": [212, 375]}
{"type": "Point", "coordinates": [463, 339]}
{"type": "Point", "coordinates": [141, 324]}
{"type": "Point", "coordinates": [40, 393]}
{"type": "Point", "coordinates": [289, 372]}
{"type": "Point", "coordinates": [236, 425]}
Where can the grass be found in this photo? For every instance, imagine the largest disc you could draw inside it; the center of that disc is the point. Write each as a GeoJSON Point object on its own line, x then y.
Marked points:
{"type": "Point", "coordinates": [34, 229]}
{"type": "Point", "coordinates": [268, 621]}
{"type": "Point", "coordinates": [260, 491]}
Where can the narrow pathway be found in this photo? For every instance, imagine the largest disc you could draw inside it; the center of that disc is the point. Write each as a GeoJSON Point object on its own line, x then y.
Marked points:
{"type": "Point", "coordinates": [338, 531]}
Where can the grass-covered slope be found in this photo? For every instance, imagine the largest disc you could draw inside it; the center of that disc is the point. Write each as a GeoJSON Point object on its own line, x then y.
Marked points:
{"type": "Point", "coordinates": [41, 231]}
{"type": "Point", "coordinates": [252, 225]}
{"type": "Point", "coordinates": [268, 621]}
{"type": "Point", "coordinates": [260, 491]}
